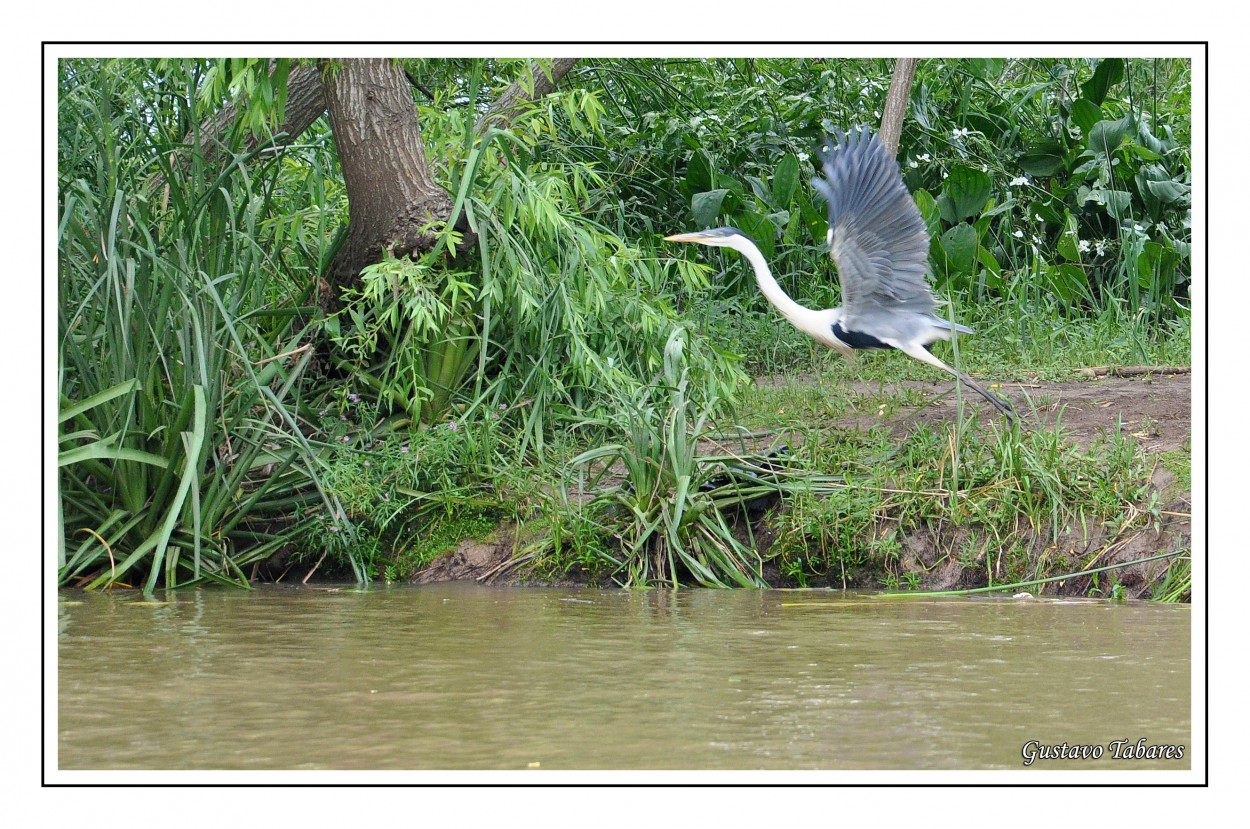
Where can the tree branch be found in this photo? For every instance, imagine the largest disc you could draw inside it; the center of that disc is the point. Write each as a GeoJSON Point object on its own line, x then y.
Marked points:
{"type": "Point", "coordinates": [896, 103]}
{"type": "Point", "coordinates": [546, 75]}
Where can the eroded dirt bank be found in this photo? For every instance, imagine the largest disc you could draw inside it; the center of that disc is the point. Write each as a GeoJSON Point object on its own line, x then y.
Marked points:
{"type": "Point", "coordinates": [1153, 409]}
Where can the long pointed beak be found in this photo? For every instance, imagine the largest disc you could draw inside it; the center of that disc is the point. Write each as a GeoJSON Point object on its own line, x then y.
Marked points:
{"type": "Point", "coordinates": [686, 237]}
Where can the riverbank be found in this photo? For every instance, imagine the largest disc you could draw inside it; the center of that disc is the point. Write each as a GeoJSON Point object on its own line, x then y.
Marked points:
{"type": "Point", "coordinates": [1149, 413]}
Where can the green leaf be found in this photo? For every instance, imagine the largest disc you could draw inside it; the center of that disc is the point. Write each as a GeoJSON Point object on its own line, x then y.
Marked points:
{"type": "Point", "coordinates": [699, 174]}
{"type": "Point", "coordinates": [1108, 73]}
{"type": "Point", "coordinates": [105, 450]}
{"type": "Point", "coordinates": [959, 246]}
{"type": "Point", "coordinates": [761, 230]}
{"type": "Point", "coordinates": [1069, 241]}
{"type": "Point", "coordinates": [1084, 114]}
{"type": "Point", "coordinates": [1106, 136]}
{"type": "Point", "coordinates": [1116, 201]}
{"type": "Point", "coordinates": [706, 207]}
{"type": "Point", "coordinates": [966, 191]}
{"type": "Point", "coordinates": [1068, 281]}
{"type": "Point", "coordinates": [1156, 265]}
{"type": "Point", "coordinates": [986, 68]}
{"type": "Point", "coordinates": [759, 188]}
{"type": "Point", "coordinates": [993, 271]}
{"type": "Point", "coordinates": [929, 210]}
{"type": "Point", "coordinates": [1168, 191]}
{"type": "Point", "coordinates": [785, 181]}
{"type": "Point", "coordinates": [97, 399]}
{"type": "Point", "coordinates": [1042, 160]}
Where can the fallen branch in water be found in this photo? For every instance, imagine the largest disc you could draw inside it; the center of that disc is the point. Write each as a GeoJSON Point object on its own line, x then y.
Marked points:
{"type": "Point", "coordinates": [1130, 371]}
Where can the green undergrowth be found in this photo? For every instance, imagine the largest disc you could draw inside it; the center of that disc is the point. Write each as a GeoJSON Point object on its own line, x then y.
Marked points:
{"type": "Point", "coordinates": [1014, 341]}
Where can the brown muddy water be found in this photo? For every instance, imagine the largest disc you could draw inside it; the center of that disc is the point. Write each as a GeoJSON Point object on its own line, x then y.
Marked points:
{"type": "Point", "coordinates": [456, 676]}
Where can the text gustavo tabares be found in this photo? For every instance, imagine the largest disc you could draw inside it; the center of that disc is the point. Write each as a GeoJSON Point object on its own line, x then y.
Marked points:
{"type": "Point", "coordinates": [1116, 749]}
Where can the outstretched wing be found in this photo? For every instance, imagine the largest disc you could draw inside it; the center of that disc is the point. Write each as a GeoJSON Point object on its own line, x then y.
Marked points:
{"type": "Point", "coordinates": [877, 237]}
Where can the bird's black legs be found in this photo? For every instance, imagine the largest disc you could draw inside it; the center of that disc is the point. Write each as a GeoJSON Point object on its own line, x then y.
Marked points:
{"type": "Point", "coordinates": [998, 403]}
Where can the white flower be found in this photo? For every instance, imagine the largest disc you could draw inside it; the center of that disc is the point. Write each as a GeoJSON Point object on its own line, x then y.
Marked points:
{"type": "Point", "coordinates": [803, 156]}
{"type": "Point", "coordinates": [1037, 217]}
{"type": "Point", "coordinates": [1036, 239]}
{"type": "Point", "coordinates": [913, 163]}
{"type": "Point", "coordinates": [924, 157]}
{"type": "Point", "coordinates": [1019, 234]}
{"type": "Point", "coordinates": [1018, 181]}
{"type": "Point", "coordinates": [1083, 246]}
{"type": "Point", "coordinates": [959, 133]}
{"type": "Point", "coordinates": [1100, 247]}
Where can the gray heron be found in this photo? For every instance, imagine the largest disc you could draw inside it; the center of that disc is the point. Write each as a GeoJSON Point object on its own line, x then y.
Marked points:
{"type": "Point", "coordinates": [880, 244]}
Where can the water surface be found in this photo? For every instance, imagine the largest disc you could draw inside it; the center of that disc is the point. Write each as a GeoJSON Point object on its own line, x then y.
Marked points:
{"type": "Point", "coordinates": [458, 676]}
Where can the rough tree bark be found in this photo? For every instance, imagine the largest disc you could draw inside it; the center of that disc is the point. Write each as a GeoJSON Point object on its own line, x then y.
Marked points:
{"type": "Point", "coordinates": [305, 103]}
{"type": "Point", "coordinates": [512, 101]}
{"type": "Point", "coordinates": [896, 103]}
{"type": "Point", "coordinates": [391, 195]}
{"type": "Point", "coordinates": [390, 192]}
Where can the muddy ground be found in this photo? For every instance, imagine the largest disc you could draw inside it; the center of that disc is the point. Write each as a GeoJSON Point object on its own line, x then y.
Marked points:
{"type": "Point", "coordinates": [1153, 408]}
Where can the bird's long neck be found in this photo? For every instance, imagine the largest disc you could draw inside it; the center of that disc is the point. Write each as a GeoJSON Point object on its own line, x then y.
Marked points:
{"type": "Point", "coordinates": [813, 323]}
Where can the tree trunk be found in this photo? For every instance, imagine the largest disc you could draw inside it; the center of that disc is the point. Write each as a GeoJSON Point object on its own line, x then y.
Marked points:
{"type": "Point", "coordinates": [391, 195]}
{"type": "Point", "coordinates": [896, 103]}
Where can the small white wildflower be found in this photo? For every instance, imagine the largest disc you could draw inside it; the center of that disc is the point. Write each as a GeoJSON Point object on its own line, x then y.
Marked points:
{"type": "Point", "coordinates": [1037, 217]}
{"type": "Point", "coordinates": [985, 168]}
{"type": "Point", "coordinates": [1083, 246]}
{"type": "Point", "coordinates": [1037, 240]}
{"type": "Point", "coordinates": [924, 157]}
{"type": "Point", "coordinates": [913, 163]}
{"type": "Point", "coordinates": [803, 156]}
{"type": "Point", "coordinates": [1100, 247]}
{"type": "Point", "coordinates": [1018, 181]}
{"type": "Point", "coordinates": [1019, 234]}
{"type": "Point", "coordinates": [959, 133]}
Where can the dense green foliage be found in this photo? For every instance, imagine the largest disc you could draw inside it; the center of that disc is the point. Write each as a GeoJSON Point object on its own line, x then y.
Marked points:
{"type": "Point", "coordinates": [212, 416]}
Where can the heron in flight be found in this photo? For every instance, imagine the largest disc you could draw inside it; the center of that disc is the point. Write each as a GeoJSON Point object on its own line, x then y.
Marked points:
{"type": "Point", "coordinates": [880, 245]}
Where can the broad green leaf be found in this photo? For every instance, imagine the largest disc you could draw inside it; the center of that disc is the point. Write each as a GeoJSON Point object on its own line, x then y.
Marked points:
{"type": "Point", "coordinates": [706, 207]}
{"type": "Point", "coordinates": [928, 210]}
{"type": "Point", "coordinates": [986, 68]}
{"type": "Point", "coordinates": [1069, 241]}
{"type": "Point", "coordinates": [699, 175]}
{"type": "Point", "coordinates": [1106, 136]}
{"type": "Point", "coordinates": [1168, 191]}
{"type": "Point", "coordinates": [1084, 114]}
{"type": "Point", "coordinates": [959, 245]}
{"type": "Point", "coordinates": [1108, 73]}
{"type": "Point", "coordinates": [785, 181]}
{"type": "Point", "coordinates": [966, 191]}
{"type": "Point", "coordinates": [1042, 160]}
{"type": "Point", "coordinates": [1117, 202]}
{"type": "Point", "coordinates": [759, 188]}
{"type": "Point", "coordinates": [761, 230]}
